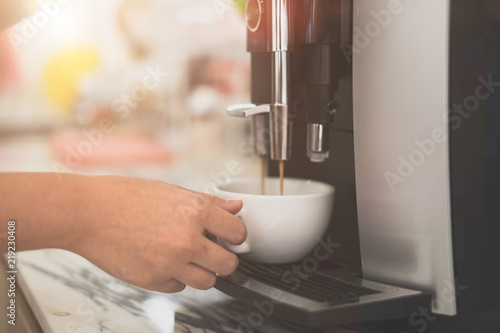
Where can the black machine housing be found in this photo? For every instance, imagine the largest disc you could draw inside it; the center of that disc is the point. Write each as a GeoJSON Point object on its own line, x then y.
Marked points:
{"type": "Point", "coordinates": [321, 84]}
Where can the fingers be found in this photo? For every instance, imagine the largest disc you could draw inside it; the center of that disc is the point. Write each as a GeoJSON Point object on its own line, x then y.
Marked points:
{"type": "Point", "coordinates": [232, 206]}
{"type": "Point", "coordinates": [215, 258]}
{"type": "Point", "coordinates": [226, 226]}
{"type": "Point", "coordinates": [208, 259]}
{"type": "Point", "coordinates": [212, 212]}
{"type": "Point", "coordinates": [196, 277]}
{"type": "Point", "coordinates": [169, 286]}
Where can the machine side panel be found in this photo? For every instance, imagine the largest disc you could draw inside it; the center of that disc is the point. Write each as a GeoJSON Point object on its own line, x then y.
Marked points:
{"type": "Point", "coordinates": [400, 84]}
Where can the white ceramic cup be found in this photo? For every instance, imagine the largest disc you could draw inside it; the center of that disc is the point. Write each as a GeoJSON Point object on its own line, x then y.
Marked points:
{"type": "Point", "coordinates": [281, 229]}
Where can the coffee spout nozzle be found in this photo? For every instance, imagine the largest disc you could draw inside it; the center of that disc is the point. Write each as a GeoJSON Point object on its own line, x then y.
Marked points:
{"type": "Point", "coordinates": [260, 124]}
{"type": "Point", "coordinates": [317, 142]}
{"type": "Point", "coordinates": [271, 128]}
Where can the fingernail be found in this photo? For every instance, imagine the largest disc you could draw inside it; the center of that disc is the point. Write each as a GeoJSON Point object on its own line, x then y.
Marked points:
{"type": "Point", "coordinates": [233, 201]}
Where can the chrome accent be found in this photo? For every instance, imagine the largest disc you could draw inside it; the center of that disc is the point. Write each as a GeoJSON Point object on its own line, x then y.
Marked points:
{"type": "Point", "coordinates": [260, 123]}
{"type": "Point", "coordinates": [280, 132]}
{"type": "Point", "coordinates": [278, 120]}
{"type": "Point", "coordinates": [317, 142]}
{"type": "Point", "coordinates": [260, 131]}
{"type": "Point", "coordinates": [279, 26]}
{"type": "Point", "coordinates": [279, 124]}
{"type": "Point", "coordinates": [247, 110]}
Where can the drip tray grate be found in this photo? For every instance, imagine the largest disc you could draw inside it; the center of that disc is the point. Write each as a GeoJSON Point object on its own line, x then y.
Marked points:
{"type": "Point", "coordinates": [332, 294]}
{"type": "Point", "coordinates": [314, 286]}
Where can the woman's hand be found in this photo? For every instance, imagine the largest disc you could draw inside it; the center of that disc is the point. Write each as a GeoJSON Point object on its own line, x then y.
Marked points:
{"type": "Point", "coordinates": [144, 232]}
{"type": "Point", "coordinates": [152, 235]}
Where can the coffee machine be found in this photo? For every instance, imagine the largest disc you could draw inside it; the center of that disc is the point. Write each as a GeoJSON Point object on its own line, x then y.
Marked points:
{"type": "Point", "coordinates": [396, 104]}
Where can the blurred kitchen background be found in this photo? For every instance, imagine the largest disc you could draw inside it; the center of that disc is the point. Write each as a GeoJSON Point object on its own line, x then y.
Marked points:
{"type": "Point", "coordinates": [135, 87]}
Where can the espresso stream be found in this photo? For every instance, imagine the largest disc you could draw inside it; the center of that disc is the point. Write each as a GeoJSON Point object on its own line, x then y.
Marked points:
{"type": "Point", "coordinates": [282, 173]}
{"type": "Point", "coordinates": [263, 175]}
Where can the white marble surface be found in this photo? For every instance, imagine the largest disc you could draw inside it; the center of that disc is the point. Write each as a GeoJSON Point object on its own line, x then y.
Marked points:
{"type": "Point", "coordinates": [69, 294]}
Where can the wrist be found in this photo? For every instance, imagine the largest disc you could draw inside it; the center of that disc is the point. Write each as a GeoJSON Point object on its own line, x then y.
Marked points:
{"type": "Point", "coordinates": [78, 199]}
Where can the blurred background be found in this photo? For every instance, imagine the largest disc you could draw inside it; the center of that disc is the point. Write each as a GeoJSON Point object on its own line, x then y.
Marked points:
{"type": "Point", "coordinates": [135, 87]}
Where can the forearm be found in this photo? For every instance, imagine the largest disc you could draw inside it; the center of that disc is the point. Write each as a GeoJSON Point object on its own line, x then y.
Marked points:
{"type": "Point", "coordinates": [144, 232]}
{"type": "Point", "coordinates": [46, 207]}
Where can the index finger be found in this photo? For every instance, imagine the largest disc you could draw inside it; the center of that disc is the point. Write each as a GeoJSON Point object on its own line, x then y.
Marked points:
{"type": "Point", "coordinates": [216, 216]}
{"type": "Point", "coordinates": [232, 206]}
{"type": "Point", "coordinates": [225, 225]}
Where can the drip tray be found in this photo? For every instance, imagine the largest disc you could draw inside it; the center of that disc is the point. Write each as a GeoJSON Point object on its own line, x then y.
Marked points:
{"type": "Point", "coordinates": [319, 296]}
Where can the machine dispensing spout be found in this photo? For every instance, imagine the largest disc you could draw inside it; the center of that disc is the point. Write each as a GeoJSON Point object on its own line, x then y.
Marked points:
{"type": "Point", "coordinates": [271, 122]}
{"type": "Point", "coordinates": [260, 124]}
{"type": "Point", "coordinates": [279, 122]}
{"type": "Point", "coordinates": [317, 142]}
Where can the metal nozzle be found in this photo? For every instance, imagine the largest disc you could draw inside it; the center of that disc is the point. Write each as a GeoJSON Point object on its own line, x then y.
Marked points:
{"type": "Point", "coordinates": [279, 126]}
{"type": "Point", "coordinates": [279, 123]}
{"type": "Point", "coordinates": [260, 134]}
{"type": "Point", "coordinates": [317, 142]}
{"type": "Point", "coordinates": [260, 123]}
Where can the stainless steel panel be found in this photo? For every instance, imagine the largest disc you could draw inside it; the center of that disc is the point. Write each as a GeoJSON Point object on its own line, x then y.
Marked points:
{"type": "Point", "coordinates": [400, 82]}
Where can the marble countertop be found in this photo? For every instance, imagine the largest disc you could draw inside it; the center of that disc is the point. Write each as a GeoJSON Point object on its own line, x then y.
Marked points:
{"type": "Point", "coordinates": [69, 294]}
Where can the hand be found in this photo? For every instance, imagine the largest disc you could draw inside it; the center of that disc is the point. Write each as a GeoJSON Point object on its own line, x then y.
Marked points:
{"type": "Point", "coordinates": [152, 234]}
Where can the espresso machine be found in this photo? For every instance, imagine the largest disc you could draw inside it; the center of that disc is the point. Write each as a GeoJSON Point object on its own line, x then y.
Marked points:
{"type": "Point", "coordinates": [396, 103]}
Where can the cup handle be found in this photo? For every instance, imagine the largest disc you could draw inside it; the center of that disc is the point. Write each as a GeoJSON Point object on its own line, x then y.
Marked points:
{"type": "Point", "coordinates": [243, 247]}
